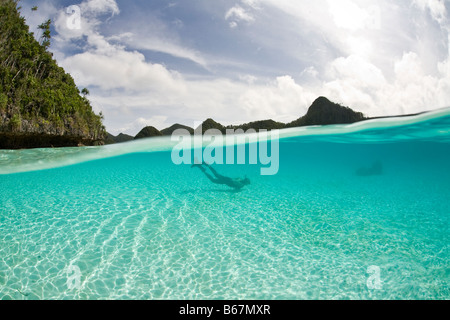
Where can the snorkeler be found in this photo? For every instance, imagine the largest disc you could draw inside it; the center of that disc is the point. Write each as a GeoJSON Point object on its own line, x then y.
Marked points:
{"type": "Point", "coordinates": [235, 183]}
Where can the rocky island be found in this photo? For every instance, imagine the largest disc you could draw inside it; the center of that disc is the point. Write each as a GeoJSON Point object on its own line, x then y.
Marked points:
{"type": "Point", "coordinates": [321, 112]}
{"type": "Point", "coordinates": [40, 105]}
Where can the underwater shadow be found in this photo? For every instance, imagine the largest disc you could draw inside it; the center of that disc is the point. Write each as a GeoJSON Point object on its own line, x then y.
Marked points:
{"type": "Point", "coordinates": [375, 170]}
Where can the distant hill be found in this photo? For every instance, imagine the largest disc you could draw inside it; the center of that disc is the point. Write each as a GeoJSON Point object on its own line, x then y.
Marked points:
{"type": "Point", "coordinates": [148, 132]}
{"type": "Point", "coordinates": [170, 130]}
{"type": "Point", "coordinates": [324, 112]}
{"type": "Point", "coordinates": [259, 125]}
{"type": "Point", "coordinates": [123, 138]}
{"type": "Point", "coordinates": [210, 124]}
{"type": "Point", "coordinates": [321, 112]}
{"type": "Point", "coordinates": [110, 139]}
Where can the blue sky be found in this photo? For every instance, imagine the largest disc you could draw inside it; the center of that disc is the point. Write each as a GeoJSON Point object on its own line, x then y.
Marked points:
{"type": "Point", "coordinates": [161, 62]}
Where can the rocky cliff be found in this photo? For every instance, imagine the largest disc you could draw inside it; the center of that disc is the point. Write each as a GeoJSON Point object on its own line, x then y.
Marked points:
{"type": "Point", "coordinates": [40, 105]}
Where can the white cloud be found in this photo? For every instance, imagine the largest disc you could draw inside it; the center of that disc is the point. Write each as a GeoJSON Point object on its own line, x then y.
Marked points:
{"type": "Point", "coordinates": [360, 46]}
{"type": "Point", "coordinates": [233, 24]}
{"type": "Point", "coordinates": [100, 6]}
{"type": "Point", "coordinates": [159, 122]}
{"type": "Point", "coordinates": [358, 71]}
{"type": "Point", "coordinates": [421, 90]}
{"type": "Point", "coordinates": [348, 15]}
{"type": "Point", "coordinates": [87, 16]}
{"type": "Point", "coordinates": [238, 14]}
{"type": "Point", "coordinates": [158, 35]}
{"type": "Point", "coordinates": [370, 44]}
{"type": "Point", "coordinates": [310, 72]}
{"type": "Point", "coordinates": [111, 66]}
{"type": "Point", "coordinates": [281, 100]}
{"type": "Point", "coordinates": [362, 85]}
{"type": "Point", "coordinates": [120, 69]}
{"type": "Point", "coordinates": [157, 44]}
{"type": "Point", "coordinates": [408, 69]}
{"type": "Point", "coordinates": [436, 7]}
{"type": "Point", "coordinates": [255, 4]}
{"type": "Point", "coordinates": [248, 78]}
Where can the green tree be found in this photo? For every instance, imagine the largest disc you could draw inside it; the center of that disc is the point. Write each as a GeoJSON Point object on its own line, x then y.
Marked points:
{"type": "Point", "coordinates": [46, 33]}
{"type": "Point", "coordinates": [3, 101]}
{"type": "Point", "coordinates": [85, 92]}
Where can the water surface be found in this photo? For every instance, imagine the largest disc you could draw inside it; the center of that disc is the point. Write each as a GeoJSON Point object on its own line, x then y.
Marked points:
{"type": "Point", "coordinates": [136, 226]}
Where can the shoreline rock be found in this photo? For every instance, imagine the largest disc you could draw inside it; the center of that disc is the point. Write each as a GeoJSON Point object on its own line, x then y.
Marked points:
{"type": "Point", "coordinates": [14, 141]}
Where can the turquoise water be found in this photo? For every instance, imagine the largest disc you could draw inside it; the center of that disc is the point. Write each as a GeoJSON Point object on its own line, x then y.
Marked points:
{"type": "Point", "coordinates": [133, 225]}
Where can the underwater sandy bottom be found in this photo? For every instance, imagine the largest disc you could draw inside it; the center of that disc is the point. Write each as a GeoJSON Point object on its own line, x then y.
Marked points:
{"type": "Point", "coordinates": [139, 227]}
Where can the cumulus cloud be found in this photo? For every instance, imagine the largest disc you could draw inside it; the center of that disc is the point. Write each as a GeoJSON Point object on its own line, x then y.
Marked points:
{"type": "Point", "coordinates": [282, 99]}
{"type": "Point", "coordinates": [120, 69]}
{"type": "Point", "coordinates": [380, 57]}
{"type": "Point", "coordinates": [412, 90]}
{"type": "Point", "coordinates": [357, 71]}
{"type": "Point", "coordinates": [80, 20]}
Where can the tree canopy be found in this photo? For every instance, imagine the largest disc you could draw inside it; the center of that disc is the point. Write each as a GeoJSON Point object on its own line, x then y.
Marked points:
{"type": "Point", "coordinates": [36, 95]}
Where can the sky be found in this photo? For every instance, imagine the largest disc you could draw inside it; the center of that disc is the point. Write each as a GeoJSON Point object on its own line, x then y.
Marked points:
{"type": "Point", "coordinates": [156, 63]}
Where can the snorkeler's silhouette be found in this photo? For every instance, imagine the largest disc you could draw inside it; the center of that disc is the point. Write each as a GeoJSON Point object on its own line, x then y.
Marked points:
{"type": "Point", "coordinates": [235, 183]}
